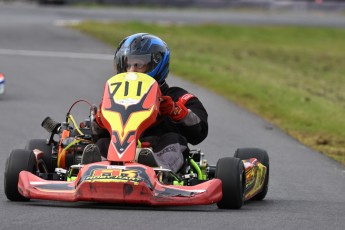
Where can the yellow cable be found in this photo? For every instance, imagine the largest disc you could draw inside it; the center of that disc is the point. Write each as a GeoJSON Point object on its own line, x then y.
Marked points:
{"type": "Point", "coordinates": [63, 152]}
{"type": "Point", "coordinates": [75, 124]}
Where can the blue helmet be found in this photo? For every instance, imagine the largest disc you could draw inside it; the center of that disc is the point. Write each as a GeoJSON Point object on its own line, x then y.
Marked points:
{"type": "Point", "coordinates": [149, 49]}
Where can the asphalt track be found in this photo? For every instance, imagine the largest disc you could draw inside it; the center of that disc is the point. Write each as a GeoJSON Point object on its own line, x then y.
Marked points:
{"type": "Point", "coordinates": [48, 67]}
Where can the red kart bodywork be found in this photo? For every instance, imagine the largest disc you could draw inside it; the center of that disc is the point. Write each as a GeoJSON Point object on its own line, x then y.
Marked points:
{"type": "Point", "coordinates": [130, 105]}
{"type": "Point", "coordinates": [133, 184]}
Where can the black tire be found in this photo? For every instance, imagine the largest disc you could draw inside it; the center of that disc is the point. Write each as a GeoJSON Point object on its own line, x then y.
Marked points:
{"type": "Point", "coordinates": [18, 161]}
{"type": "Point", "coordinates": [262, 156]}
{"type": "Point", "coordinates": [47, 149]}
{"type": "Point", "coordinates": [231, 171]}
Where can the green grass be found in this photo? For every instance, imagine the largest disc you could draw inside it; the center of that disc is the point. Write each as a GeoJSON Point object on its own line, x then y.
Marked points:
{"type": "Point", "coordinates": [291, 76]}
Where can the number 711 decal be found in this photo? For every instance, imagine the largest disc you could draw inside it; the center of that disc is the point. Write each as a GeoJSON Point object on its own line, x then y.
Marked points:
{"type": "Point", "coordinates": [127, 87]}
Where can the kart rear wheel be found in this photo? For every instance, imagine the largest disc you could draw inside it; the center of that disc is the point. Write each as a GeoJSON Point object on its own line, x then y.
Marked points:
{"type": "Point", "coordinates": [47, 149]}
{"type": "Point", "coordinates": [230, 171]}
{"type": "Point", "coordinates": [262, 156]}
{"type": "Point", "coordinates": [18, 161]}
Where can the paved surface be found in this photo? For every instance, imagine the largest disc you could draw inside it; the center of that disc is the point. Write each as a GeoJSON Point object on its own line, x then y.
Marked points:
{"type": "Point", "coordinates": [39, 59]}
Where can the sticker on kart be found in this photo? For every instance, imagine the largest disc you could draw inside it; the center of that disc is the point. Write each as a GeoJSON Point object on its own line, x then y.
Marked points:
{"type": "Point", "coordinates": [114, 175]}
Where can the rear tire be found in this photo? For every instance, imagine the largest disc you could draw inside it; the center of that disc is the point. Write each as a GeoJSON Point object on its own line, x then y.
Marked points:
{"type": "Point", "coordinates": [262, 156]}
{"type": "Point", "coordinates": [18, 161]}
{"type": "Point", "coordinates": [230, 171]}
{"type": "Point", "coordinates": [47, 149]}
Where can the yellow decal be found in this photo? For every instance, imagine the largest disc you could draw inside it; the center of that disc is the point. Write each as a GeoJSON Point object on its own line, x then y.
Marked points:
{"type": "Point", "coordinates": [114, 175]}
{"type": "Point", "coordinates": [128, 88]}
{"type": "Point", "coordinates": [256, 180]}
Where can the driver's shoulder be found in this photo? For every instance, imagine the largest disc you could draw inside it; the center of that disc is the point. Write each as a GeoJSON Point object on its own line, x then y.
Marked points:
{"type": "Point", "coordinates": [176, 91]}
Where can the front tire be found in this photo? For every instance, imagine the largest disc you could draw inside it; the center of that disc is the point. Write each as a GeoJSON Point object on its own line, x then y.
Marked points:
{"type": "Point", "coordinates": [47, 149]}
{"type": "Point", "coordinates": [18, 161]}
{"type": "Point", "coordinates": [262, 156]}
{"type": "Point", "coordinates": [230, 171]}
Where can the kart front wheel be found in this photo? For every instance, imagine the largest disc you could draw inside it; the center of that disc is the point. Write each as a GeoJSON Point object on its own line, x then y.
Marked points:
{"type": "Point", "coordinates": [262, 157]}
{"type": "Point", "coordinates": [18, 161]}
{"type": "Point", "coordinates": [40, 144]}
{"type": "Point", "coordinates": [230, 171]}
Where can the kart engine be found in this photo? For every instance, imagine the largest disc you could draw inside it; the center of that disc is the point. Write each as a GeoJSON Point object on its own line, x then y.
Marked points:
{"type": "Point", "coordinates": [68, 147]}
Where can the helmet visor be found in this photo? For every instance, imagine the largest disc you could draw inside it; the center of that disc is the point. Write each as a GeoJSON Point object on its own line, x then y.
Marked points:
{"type": "Point", "coordinates": [133, 63]}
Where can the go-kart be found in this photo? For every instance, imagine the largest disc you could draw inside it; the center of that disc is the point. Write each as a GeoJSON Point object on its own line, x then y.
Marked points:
{"type": "Point", "coordinates": [51, 169]}
{"type": "Point", "coordinates": [2, 84]}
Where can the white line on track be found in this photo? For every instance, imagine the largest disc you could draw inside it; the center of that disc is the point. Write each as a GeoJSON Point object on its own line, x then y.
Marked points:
{"type": "Point", "coordinates": [63, 22]}
{"type": "Point", "coordinates": [54, 54]}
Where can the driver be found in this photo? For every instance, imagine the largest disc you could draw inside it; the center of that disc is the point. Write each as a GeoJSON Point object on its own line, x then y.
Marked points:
{"type": "Point", "coordinates": [182, 119]}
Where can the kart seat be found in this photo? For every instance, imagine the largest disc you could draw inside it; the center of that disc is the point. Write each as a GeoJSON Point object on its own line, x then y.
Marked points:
{"type": "Point", "coordinates": [146, 157]}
